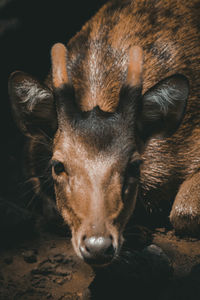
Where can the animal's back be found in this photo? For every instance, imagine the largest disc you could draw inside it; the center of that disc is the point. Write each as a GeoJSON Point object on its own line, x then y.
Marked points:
{"type": "Point", "coordinates": [167, 31]}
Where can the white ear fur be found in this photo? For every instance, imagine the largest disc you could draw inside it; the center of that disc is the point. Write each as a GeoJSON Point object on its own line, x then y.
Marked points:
{"type": "Point", "coordinates": [163, 107]}
{"type": "Point", "coordinates": [32, 104]}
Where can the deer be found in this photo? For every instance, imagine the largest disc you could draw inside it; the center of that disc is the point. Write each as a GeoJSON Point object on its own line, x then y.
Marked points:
{"type": "Point", "coordinates": [119, 112]}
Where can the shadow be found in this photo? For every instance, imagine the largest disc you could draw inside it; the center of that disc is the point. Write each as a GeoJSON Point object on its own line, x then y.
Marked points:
{"type": "Point", "coordinates": [146, 277]}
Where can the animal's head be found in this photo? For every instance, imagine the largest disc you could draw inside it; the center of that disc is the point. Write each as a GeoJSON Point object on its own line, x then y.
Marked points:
{"type": "Point", "coordinates": [96, 154]}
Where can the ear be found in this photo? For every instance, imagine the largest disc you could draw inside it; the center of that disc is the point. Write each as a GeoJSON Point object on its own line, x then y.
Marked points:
{"type": "Point", "coordinates": [32, 104]}
{"type": "Point", "coordinates": [163, 107]}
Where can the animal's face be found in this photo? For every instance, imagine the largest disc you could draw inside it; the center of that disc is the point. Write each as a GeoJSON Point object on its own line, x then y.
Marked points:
{"type": "Point", "coordinates": [95, 156]}
{"type": "Point", "coordinates": [95, 170]}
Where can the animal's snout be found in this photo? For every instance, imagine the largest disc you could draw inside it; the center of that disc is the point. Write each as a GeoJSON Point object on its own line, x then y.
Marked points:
{"type": "Point", "coordinates": [97, 250]}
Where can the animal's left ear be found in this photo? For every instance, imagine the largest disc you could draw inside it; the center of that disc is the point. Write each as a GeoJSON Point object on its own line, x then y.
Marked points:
{"type": "Point", "coordinates": [163, 106]}
{"type": "Point", "coordinates": [32, 105]}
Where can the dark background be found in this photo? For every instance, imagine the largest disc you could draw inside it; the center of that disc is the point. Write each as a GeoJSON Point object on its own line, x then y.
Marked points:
{"type": "Point", "coordinates": [28, 29]}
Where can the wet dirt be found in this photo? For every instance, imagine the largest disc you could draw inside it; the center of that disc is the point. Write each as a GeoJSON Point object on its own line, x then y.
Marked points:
{"type": "Point", "coordinates": [47, 268]}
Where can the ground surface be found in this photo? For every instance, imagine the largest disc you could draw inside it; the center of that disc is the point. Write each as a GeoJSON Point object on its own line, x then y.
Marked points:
{"type": "Point", "coordinates": [47, 268]}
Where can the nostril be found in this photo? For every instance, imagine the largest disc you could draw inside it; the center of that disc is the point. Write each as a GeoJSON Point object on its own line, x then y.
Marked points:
{"type": "Point", "coordinates": [97, 249]}
{"type": "Point", "coordinates": [84, 238]}
{"type": "Point", "coordinates": [87, 249]}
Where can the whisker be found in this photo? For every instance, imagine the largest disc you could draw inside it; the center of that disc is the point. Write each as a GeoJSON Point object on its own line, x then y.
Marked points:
{"type": "Point", "coordinates": [46, 135]}
{"type": "Point", "coordinates": [18, 209]}
{"type": "Point", "coordinates": [25, 193]}
{"type": "Point", "coordinates": [31, 201]}
{"type": "Point", "coordinates": [42, 138]}
{"type": "Point", "coordinates": [47, 183]}
{"type": "Point", "coordinates": [27, 180]}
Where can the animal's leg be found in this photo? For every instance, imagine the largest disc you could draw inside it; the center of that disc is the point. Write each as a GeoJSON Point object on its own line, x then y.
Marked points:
{"type": "Point", "coordinates": [185, 213]}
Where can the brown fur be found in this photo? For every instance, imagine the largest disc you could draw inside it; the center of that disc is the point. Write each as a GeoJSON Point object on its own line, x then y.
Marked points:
{"type": "Point", "coordinates": [109, 35]}
{"type": "Point", "coordinates": [127, 48]}
{"type": "Point", "coordinates": [151, 26]}
{"type": "Point", "coordinates": [185, 211]}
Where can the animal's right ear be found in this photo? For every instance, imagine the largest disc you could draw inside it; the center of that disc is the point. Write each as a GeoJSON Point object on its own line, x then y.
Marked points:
{"type": "Point", "coordinates": [163, 107]}
{"type": "Point", "coordinates": [32, 104]}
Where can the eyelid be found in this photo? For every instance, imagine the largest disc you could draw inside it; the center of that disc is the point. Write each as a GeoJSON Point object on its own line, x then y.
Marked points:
{"type": "Point", "coordinates": [53, 162]}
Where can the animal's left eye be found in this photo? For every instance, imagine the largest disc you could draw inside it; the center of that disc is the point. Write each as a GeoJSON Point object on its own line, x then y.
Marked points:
{"type": "Point", "coordinates": [58, 167]}
{"type": "Point", "coordinates": [133, 169]}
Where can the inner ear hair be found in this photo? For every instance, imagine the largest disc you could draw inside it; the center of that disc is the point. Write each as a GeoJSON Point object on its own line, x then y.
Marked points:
{"type": "Point", "coordinates": [32, 104]}
{"type": "Point", "coordinates": [163, 107]}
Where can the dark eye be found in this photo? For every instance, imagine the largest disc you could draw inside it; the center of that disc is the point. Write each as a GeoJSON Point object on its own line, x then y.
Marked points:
{"type": "Point", "coordinates": [131, 177]}
{"type": "Point", "coordinates": [58, 167]}
{"type": "Point", "coordinates": [133, 169]}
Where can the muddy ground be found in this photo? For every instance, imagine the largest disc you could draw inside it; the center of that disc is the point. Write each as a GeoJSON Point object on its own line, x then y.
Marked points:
{"type": "Point", "coordinates": [46, 267]}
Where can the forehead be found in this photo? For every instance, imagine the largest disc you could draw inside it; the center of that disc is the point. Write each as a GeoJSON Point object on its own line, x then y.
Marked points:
{"type": "Point", "coordinates": [78, 158]}
{"type": "Point", "coordinates": [96, 134]}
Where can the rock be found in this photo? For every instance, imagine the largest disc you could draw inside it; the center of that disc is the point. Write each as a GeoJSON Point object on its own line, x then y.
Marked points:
{"type": "Point", "coordinates": [157, 251]}
{"type": "Point", "coordinates": [159, 264]}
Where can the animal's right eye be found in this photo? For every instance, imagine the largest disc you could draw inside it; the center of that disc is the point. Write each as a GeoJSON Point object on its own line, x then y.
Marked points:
{"type": "Point", "coordinates": [133, 169]}
{"type": "Point", "coordinates": [58, 167]}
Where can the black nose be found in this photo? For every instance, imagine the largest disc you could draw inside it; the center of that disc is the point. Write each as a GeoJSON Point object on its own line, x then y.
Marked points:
{"type": "Point", "coordinates": [97, 250]}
